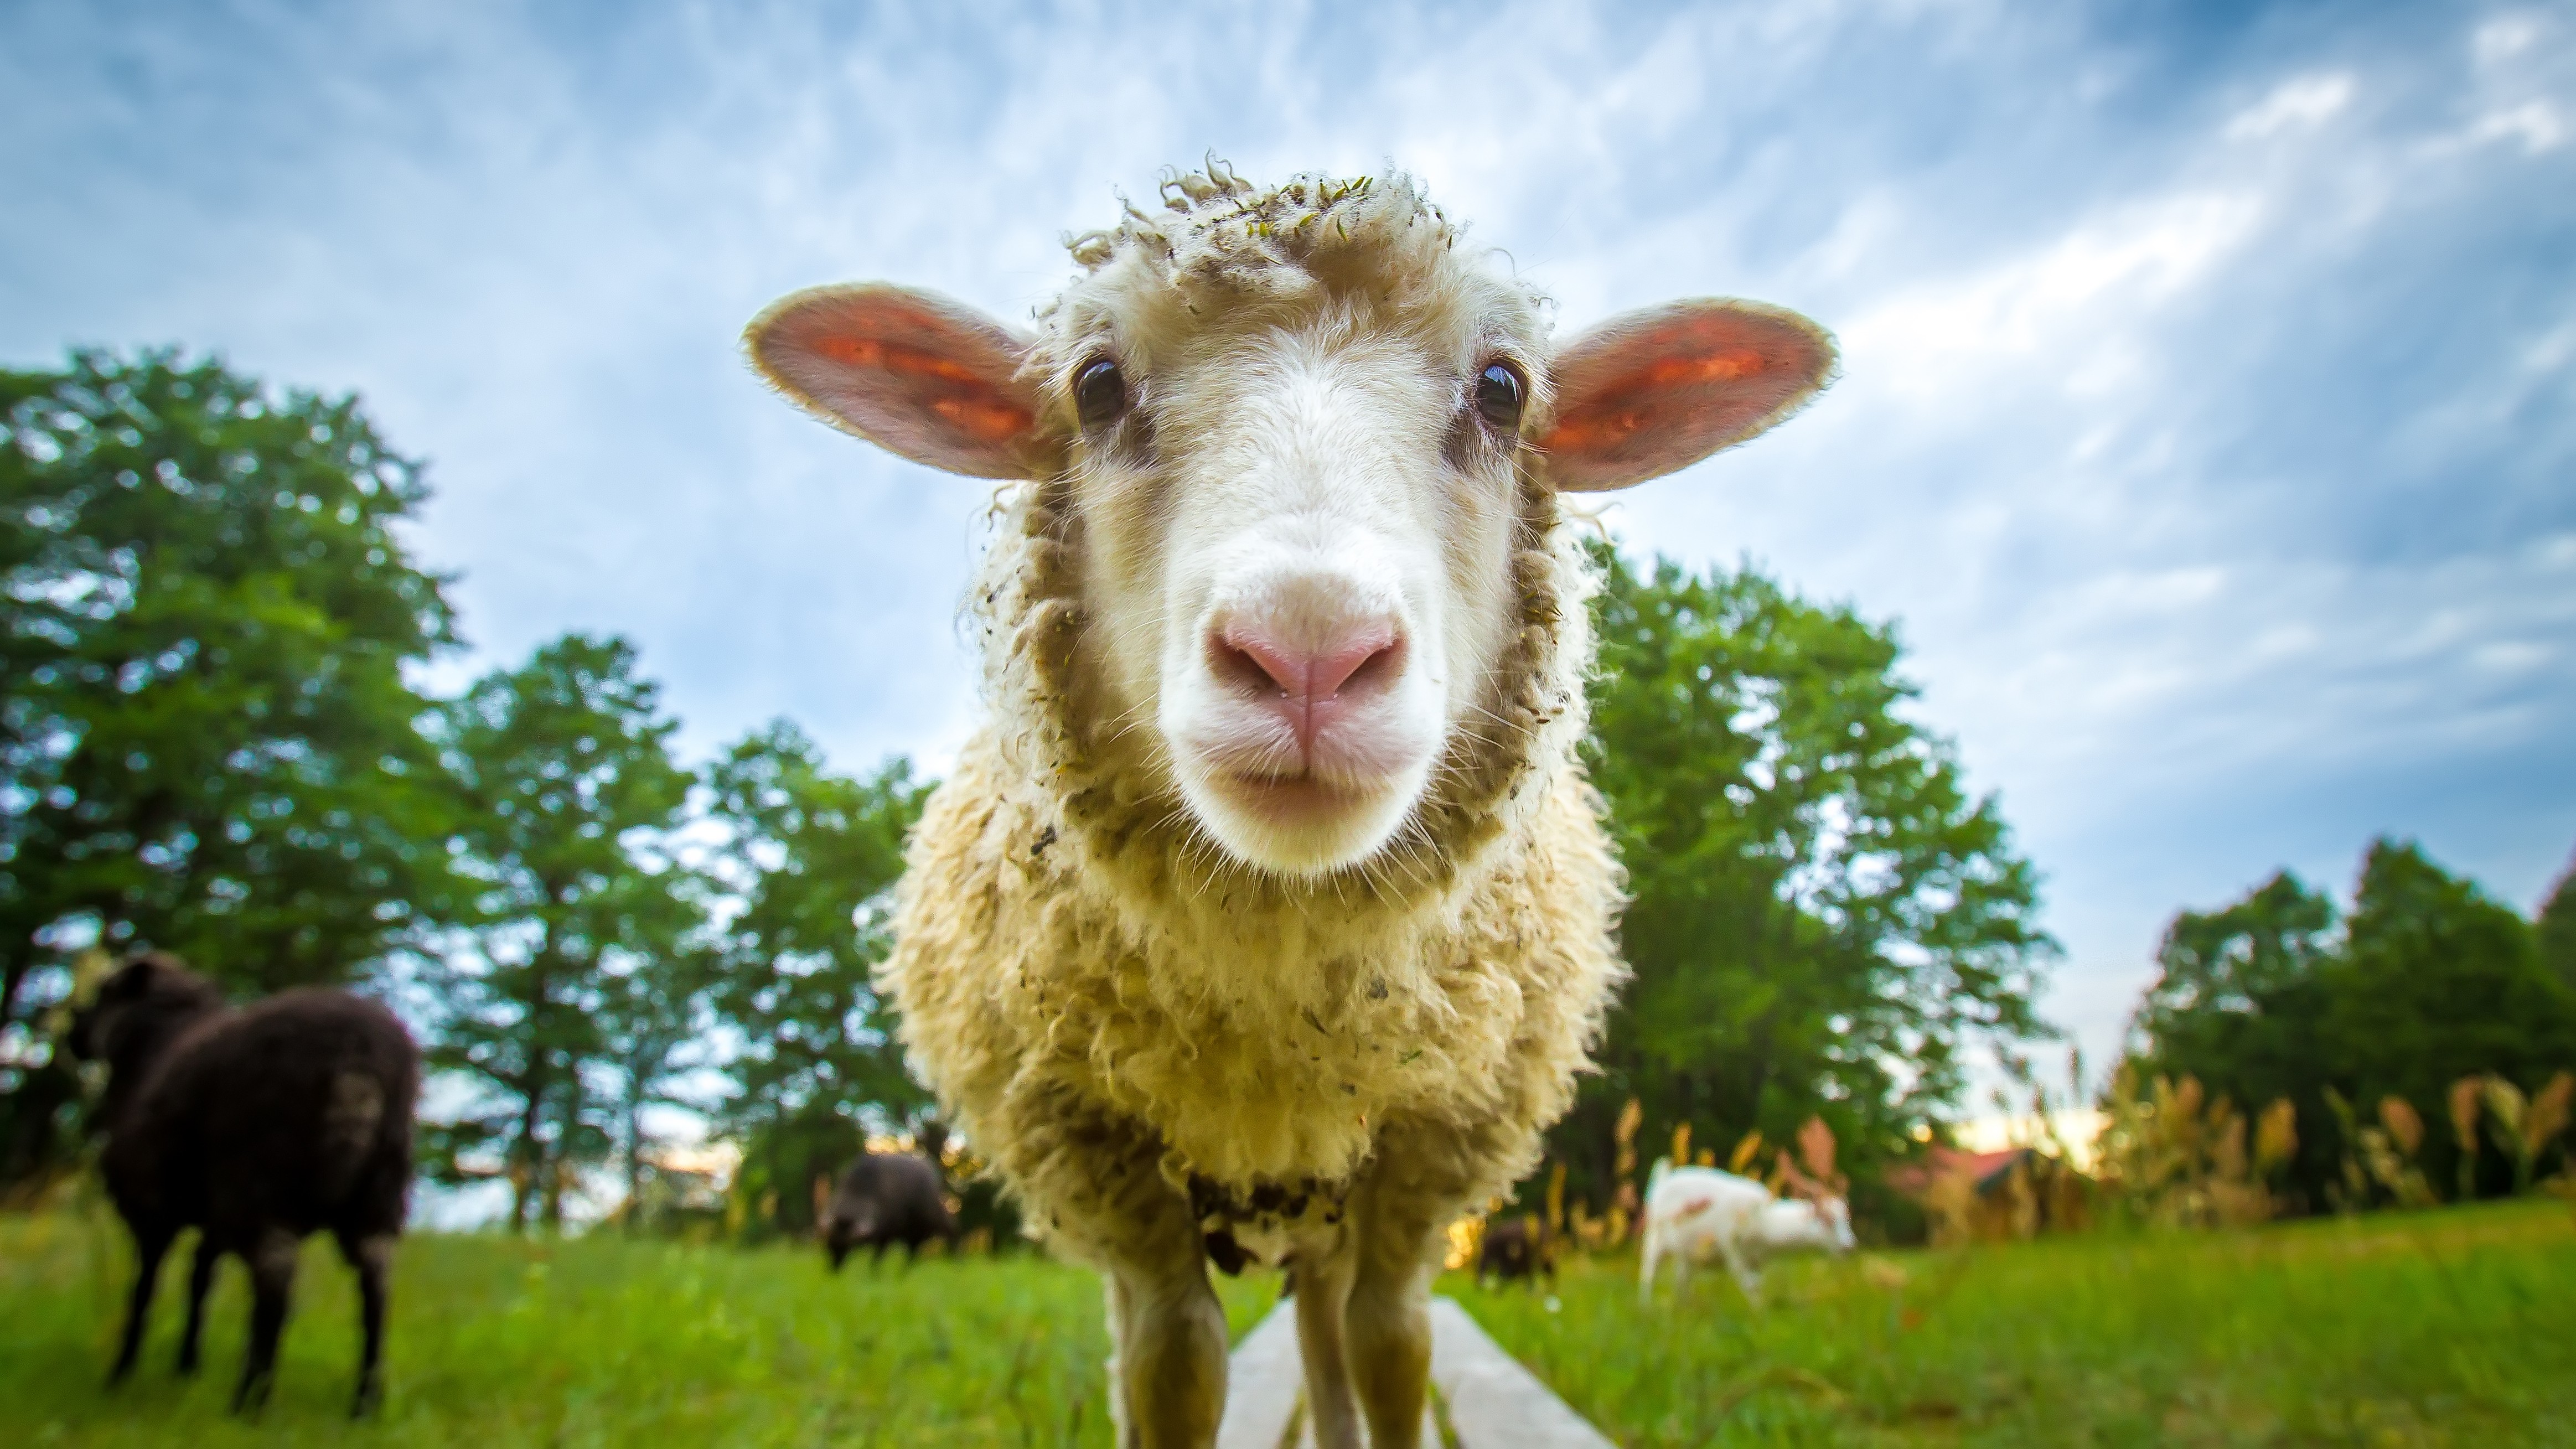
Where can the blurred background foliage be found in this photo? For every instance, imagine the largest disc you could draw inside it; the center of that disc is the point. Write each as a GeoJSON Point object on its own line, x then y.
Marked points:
{"type": "Point", "coordinates": [215, 740]}
{"type": "Point", "coordinates": [2423, 982]}
{"type": "Point", "coordinates": [1822, 919]}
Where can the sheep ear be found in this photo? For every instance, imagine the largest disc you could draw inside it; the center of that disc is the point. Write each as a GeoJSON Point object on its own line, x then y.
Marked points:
{"type": "Point", "coordinates": [913, 373]}
{"type": "Point", "coordinates": [1656, 390]}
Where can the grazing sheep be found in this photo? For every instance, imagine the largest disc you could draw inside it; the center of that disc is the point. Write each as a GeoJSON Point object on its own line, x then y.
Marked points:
{"type": "Point", "coordinates": [1515, 1248]}
{"type": "Point", "coordinates": [1697, 1213]}
{"type": "Point", "coordinates": [887, 1198]}
{"type": "Point", "coordinates": [1270, 910]}
{"type": "Point", "coordinates": [257, 1127]}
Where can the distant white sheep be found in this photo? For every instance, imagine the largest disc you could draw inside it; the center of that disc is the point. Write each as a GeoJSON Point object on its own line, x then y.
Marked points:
{"type": "Point", "coordinates": [1270, 914]}
{"type": "Point", "coordinates": [1694, 1214]}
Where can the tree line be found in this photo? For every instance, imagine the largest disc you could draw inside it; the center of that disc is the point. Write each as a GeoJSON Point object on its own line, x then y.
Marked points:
{"type": "Point", "coordinates": [2421, 984]}
{"type": "Point", "coordinates": [216, 742]}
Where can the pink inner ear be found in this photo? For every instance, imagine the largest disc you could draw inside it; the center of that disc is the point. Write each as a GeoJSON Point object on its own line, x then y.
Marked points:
{"type": "Point", "coordinates": [917, 374]}
{"type": "Point", "coordinates": [949, 388]}
{"type": "Point", "coordinates": [1654, 391]}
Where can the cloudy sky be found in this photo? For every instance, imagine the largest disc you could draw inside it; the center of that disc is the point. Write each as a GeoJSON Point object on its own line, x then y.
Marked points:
{"type": "Point", "coordinates": [2209, 421]}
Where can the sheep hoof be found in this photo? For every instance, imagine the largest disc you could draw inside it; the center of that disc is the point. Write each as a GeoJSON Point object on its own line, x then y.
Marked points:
{"type": "Point", "coordinates": [370, 1398]}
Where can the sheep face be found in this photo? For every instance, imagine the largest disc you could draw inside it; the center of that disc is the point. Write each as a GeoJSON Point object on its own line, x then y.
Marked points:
{"type": "Point", "coordinates": [137, 1010]}
{"type": "Point", "coordinates": [1296, 433]}
{"type": "Point", "coordinates": [840, 1234]}
{"type": "Point", "coordinates": [94, 1023]}
{"type": "Point", "coordinates": [1836, 1213]}
{"type": "Point", "coordinates": [1299, 547]}
{"type": "Point", "coordinates": [1823, 1224]}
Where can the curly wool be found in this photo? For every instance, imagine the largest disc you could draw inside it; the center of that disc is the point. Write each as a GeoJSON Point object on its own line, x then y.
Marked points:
{"type": "Point", "coordinates": [1102, 999]}
{"type": "Point", "coordinates": [1218, 226]}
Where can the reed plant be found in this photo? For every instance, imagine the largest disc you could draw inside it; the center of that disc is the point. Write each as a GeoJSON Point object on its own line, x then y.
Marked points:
{"type": "Point", "coordinates": [2529, 1126]}
{"type": "Point", "coordinates": [2171, 1155]}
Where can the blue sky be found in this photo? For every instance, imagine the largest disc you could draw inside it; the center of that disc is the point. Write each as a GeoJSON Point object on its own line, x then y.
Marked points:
{"type": "Point", "coordinates": [2209, 417]}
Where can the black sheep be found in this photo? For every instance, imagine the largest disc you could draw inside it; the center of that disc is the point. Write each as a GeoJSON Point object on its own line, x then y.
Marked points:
{"type": "Point", "coordinates": [256, 1127]}
{"type": "Point", "coordinates": [887, 1198]}
{"type": "Point", "coordinates": [1515, 1248]}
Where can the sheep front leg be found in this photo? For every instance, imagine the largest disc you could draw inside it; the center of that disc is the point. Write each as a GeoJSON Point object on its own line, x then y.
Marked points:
{"type": "Point", "coordinates": [272, 1280]}
{"type": "Point", "coordinates": [149, 1248]}
{"type": "Point", "coordinates": [1167, 1337]}
{"type": "Point", "coordinates": [1747, 1276]}
{"type": "Point", "coordinates": [1324, 1278]}
{"type": "Point", "coordinates": [201, 1277]}
{"type": "Point", "coordinates": [1388, 1316]}
{"type": "Point", "coordinates": [371, 1256]}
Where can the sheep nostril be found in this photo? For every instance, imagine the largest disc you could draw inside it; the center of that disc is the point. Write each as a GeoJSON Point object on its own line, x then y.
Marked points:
{"type": "Point", "coordinates": [1247, 670]}
{"type": "Point", "coordinates": [1375, 668]}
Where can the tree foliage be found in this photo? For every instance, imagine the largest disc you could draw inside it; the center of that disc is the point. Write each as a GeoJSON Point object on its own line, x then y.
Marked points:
{"type": "Point", "coordinates": [571, 791]}
{"type": "Point", "coordinates": [2238, 1004]}
{"type": "Point", "coordinates": [2425, 981]}
{"type": "Point", "coordinates": [1822, 918]}
{"type": "Point", "coordinates": [653, 1018]}
{"type": "Point", "coordinates": [812, 857]}
{"type": "Point", "coordinates": [2558, 929]}
{"type": "Point", "coordinates": [208, 739]}
{"type": "Point", "coordinates": [207, 743]}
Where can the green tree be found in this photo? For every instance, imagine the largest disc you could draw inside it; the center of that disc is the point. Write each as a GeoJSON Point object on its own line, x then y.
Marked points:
{"type": "Point", "coordinates": [2558, 928]}
{"type": "Point", "coordinates": [1822, 917]}
{"type": "Point", "coordinates": [2229, 961]}
{"type": "Point", "coordinates": [812, 856]}
{"type": "Point", "coordinates": [571, 793]}
{"type": "Point", "coordinates": [206, 740]}
{"type": "Point", "coordinates": [653, 1019]}
{"type": "Point", "coordinates": [2240, 1003]}
{"type": "Point", "coordinates": [2427, 981]}
{"type": "Point", "coordinates": [2440, 981]}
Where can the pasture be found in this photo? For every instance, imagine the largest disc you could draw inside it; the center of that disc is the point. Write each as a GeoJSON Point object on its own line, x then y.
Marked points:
{"type": "Point", "coordinates": [2455, 1327]}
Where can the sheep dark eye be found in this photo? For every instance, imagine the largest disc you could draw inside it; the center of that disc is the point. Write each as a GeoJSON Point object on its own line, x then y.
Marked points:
{"type": "Point", "coordinates": [1099, 393]}
{"type": "Point", "coordinates": [1498, 398]}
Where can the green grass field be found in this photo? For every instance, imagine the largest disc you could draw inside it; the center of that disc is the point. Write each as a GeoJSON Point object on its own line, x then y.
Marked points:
{"type": "Point", "coordinates": [593, 1341]}
{"type": "Point", "coordinates": [2455, 1328]}
{"type": "Point", "coordinates": [2426, 1328]}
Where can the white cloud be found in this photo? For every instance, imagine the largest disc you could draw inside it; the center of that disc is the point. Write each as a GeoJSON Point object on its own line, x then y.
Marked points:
{"type": "Point", "coordinates": [2537, 124]}
{"type": "Point", "coordinates": [2504, 37]}
{"type": "Point", "coordinates": [2303, 103]}
{"type": "Point", "coordinates": [2049, 306]}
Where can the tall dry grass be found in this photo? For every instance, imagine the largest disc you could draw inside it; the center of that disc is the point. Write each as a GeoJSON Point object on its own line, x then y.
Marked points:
{"type": "Point", "coordinates": [2171, 1155]}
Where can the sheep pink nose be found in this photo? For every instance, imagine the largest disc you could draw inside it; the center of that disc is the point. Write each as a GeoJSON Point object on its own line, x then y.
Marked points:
{"type": "Point", "coordinates": [1307, 685]}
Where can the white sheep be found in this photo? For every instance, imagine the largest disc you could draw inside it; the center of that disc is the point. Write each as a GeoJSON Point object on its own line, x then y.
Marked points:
{"type": "Point", "coordinates": [1693, 1214]}
{"type": "Point", "coordinates": [1269, 915]}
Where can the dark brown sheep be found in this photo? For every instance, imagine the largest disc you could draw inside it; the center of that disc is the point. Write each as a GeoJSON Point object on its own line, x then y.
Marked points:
{"type": "Point", "coordinates": [257, 1127]}
{"type": "Point", "coordinates": [1515, 1248]}
{"type": "Point", "coordinates": [887, 1198]}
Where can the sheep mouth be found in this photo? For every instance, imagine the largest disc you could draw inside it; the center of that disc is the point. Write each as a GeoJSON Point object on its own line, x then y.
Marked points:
{"type": "Point", "coordinates": [1297, 799]}
{"type": "Point", "coordinates": [1288, 817]}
